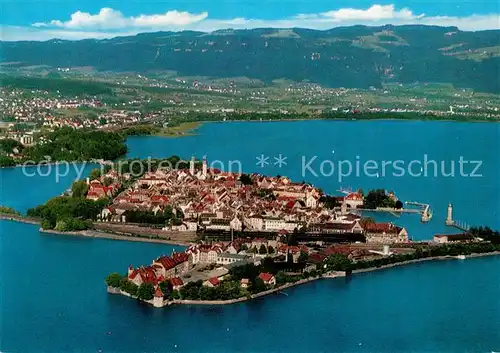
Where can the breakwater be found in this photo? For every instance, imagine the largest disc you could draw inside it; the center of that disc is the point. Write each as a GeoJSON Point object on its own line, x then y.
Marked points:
{"type": "Point", "coordinates": [426, 259]}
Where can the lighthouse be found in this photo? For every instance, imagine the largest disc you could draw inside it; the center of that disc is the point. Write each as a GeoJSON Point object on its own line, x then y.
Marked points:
{"type": "Point", "coordinates": [449, 217]}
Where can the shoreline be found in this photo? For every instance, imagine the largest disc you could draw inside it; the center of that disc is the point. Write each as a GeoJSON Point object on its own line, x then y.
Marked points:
{"type": "Point", "coordinates": [91, 233]}
{"type": "Point", "coordinates": [165, 303]}
{"type": "Point", "coordinates": [200, 123]}
{"type": "Point", "coordinates": [182, 130]}
{"type": "Point", "coordinates": [19, 219]}
{"type": "Point", "coordinates": [431, 119]}
{"type": "Point", "coordinates": [425, 259]}
{"type": "Point", "coordinates": [50, 164]}
{"type": "Point", "coordinates": [189, 131]}
{"type": "Point", "coordinates": [331, 275]}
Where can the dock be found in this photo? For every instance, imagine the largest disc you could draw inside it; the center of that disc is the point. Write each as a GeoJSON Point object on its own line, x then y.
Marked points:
{"type": "Point", "coordinates": [423, 210]}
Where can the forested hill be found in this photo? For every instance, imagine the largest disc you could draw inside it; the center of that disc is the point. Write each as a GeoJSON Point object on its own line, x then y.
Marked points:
{"type": "Point", "coordinates": [355, 56]}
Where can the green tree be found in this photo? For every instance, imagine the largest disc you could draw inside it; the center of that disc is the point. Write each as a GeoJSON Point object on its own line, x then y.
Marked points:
{"type": "Point", "coordinates": [262, 249]}
{"type": "Point", "coordinates": [165, 286]}
{"type": "Point", "coordinates": [270, 250]}
{"type": "Point", "coordinates": [174, 295]}
{"type": "Point", "coordinates": [128, 286]}
{"type": "Point", "coordinates": [208, 293]}
{"type": "Point", "coordinates": [366, 220]}
{"type": "Point", "coordinates": [338, 262]}
{"type": "Point", "coordinates": [47, 224]}
{"type": "Point", "coordinates": [146, 291]}
{"type": "Point", "coordinates": [95, 174]}
{"type": "Point", "coordinates": [378, 198]}
{"type": "Point", "coordinates": [9, 210]}
{"type": "Point", "coordinates": [303, 257]}
{"type": "Point", "coordinates": [107, 181]}
{"type": "Point", "coordinates": [281, 278]}
{"type": "Point", "coordinates": [113, 280]}
{"type": "Point", "coordinates": [246, 179]}
{"type": "Point", "coordinates": [292, 238]}
{"type": "Point", "coordinates": [6, 161]}
{"type": "Point", "coordinates": [61, 226]}
{"type": "Point", "coordinates": [329, 201]}
{"type": "Point", "coordinates": [79, 189]}
{"type": "Point", "coordinates": [258, 285]}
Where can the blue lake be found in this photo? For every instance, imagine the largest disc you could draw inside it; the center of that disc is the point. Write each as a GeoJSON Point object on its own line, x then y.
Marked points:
{"type": "Point", "coordinates": [476, 199]}
{"type": "Point", "coordinates": [53, 298]}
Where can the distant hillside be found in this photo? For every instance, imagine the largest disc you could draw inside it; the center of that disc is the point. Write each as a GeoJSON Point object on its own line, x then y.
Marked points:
{"type": "Point", "coordinates": [355, 56]}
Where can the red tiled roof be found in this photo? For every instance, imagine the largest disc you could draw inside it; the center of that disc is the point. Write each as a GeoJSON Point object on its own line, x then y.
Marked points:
{"type": "Point", "coordinates": [337, 250]}
{"type": "Point", "coordinates": [317, 258]}
{"type": "Point", "coordinates": [158, 293]}
{"type": "Point", "coordinates": [170, 262]}
{"type": "Point", "coordinates": [266, 277]}
{"type": "Point", "coordinates": [147, 275]}
{"type": "Point", "coordinates": [354, 196]}
{"type": "Point", "coordinates": [176, 281]}
{"type": "Point", "coordinates": [214, 281]}
{"type": "Point", "coordinates": [159, 198]}
{"type": "Point", "coordinates": [381, 228]}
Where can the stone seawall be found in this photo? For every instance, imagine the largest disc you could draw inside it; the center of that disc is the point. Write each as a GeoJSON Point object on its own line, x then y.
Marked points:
{"type": "Point", "coordinates": [17, 218]}
{"type": "Point", "coordinates": [232, 301]}
{"type": "Point", "coordinates": [105, 235]}
{"type": "Point", "coordinates": [437, 258]}
{"type": "Point", "coordinates": [303, 281]}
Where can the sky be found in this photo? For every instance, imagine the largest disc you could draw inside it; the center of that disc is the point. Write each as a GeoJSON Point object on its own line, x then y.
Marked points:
{"type": "Point", "coordinates": [79, 19]}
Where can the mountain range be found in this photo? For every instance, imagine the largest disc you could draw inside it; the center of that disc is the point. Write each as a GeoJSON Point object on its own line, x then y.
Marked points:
{"type": "Point", "coordinates": [352, 57]}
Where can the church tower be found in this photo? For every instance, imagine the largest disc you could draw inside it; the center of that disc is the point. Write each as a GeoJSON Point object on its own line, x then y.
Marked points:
{"type": "Point", "coordinates": [191, 166]}
{"type": "Point", "coordinates": [204, 168]}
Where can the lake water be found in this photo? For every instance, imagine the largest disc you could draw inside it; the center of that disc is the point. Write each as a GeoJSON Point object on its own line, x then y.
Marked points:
{"type": "Point", "coordinates": [53, 298]}
{"type": "Point", "coordinates": [476, 200]}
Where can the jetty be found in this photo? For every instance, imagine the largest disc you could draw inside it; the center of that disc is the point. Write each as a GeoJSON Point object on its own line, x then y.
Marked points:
{"type": "Point", "coordinates": [423, 210]}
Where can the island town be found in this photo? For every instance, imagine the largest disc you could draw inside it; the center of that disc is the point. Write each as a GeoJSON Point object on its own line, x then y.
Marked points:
{"type": "Point", "coordinates": [245, 235]}
{"type": "Point", "coordinates": [217, 202]}
{"type": "Point", "coordinates": [257, 235]}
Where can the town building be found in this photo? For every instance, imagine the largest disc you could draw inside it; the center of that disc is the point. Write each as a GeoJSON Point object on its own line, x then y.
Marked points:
{"type": "Point", "coordinates": [453, 238]}
{"type": "Point", "coordinates": [385, 233]}
{"type": "Point", "coordinates": [268, 278]}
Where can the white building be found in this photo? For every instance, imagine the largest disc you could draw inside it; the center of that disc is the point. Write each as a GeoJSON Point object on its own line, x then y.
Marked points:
{"type": "Point", "coordinates": [227, 258]}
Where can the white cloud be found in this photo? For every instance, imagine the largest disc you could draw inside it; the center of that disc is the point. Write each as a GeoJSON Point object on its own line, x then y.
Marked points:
{"type": "Point", "coordinates": [109, 22]}
{"type": "Point", "coordinates": [374, 13]}
{"type": "Point", "coordinates": [174, 18]}
{"type": "Point", "coordinates": [108, 18]}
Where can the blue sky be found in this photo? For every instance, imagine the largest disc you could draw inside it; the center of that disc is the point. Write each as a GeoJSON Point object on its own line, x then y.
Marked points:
{"type": "Point", "coordinates": [72, 19]}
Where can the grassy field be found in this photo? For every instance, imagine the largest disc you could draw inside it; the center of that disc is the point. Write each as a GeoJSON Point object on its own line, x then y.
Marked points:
{"type": "Point", "coordinates": [184, 129]}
